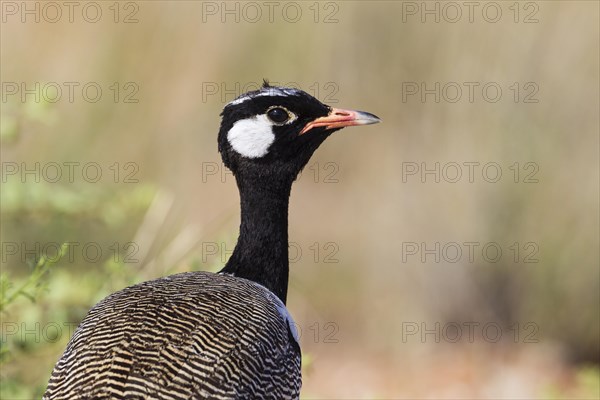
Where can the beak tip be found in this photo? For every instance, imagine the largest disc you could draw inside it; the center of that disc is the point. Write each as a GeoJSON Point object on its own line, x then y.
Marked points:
{"type": "Point", "coordinates": [366, 118]}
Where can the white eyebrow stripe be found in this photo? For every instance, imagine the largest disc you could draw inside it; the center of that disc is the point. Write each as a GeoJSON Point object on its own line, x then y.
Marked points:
{"type": "Point", "coordinates": [272, 91]}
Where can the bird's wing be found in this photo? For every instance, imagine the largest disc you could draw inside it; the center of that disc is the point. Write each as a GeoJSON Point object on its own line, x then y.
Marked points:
{"type": "Point", "coordinates": [188, 336]}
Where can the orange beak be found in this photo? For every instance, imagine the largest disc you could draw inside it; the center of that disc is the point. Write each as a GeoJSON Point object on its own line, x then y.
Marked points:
{"type": "Point", "coordinates": [339, 118]}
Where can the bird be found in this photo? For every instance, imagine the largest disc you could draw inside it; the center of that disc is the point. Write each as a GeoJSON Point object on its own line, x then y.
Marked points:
{"type": "Point", "coordinates": [224, 335]}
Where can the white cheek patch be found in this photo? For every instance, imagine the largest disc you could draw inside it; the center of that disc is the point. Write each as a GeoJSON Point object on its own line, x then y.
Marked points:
{"type": "Point", "coordinates": [252, 137]}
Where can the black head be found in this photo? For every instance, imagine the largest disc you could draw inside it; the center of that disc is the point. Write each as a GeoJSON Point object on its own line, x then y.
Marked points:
{"type": "Point", "coordinates": [273, 132]}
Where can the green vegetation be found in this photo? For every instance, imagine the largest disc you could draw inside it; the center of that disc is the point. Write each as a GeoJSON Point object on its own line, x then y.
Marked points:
{"type": "Point", "coordinates": [42, 300]}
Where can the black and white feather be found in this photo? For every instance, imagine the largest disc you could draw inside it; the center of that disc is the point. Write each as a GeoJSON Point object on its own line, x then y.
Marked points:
{"type": "Point", "coordinates": [193, 335]}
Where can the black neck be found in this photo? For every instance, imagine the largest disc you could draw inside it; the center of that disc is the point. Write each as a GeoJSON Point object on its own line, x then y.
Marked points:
{"type": "Point", "coordinates": [261, 253]}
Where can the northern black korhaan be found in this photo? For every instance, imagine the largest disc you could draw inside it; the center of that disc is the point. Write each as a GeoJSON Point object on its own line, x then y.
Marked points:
{"type": "Point", "coordinates": [200, 335]}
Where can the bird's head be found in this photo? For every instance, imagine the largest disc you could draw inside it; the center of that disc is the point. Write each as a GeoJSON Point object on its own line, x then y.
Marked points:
{"type": "Point", "coordinates": [273, 131]}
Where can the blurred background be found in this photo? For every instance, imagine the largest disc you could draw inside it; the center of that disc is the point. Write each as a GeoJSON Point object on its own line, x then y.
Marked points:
{"type": "Point", "coordinates": [450, 252]}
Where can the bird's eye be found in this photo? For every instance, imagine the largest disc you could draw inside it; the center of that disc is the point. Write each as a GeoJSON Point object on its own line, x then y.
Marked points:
{"type": "Point", "coordinates": [279, 115]}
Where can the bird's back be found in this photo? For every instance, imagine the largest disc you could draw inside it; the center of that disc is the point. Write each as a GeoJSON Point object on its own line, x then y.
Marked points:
{"type": "Point", "coordinates": [194, 335]}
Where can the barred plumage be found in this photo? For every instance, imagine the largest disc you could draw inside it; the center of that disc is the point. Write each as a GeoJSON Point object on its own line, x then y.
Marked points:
{"type": "Point", "coordinates": [194, 335]}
